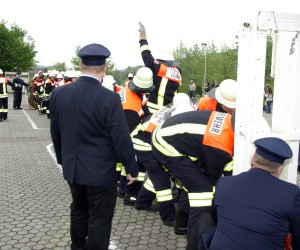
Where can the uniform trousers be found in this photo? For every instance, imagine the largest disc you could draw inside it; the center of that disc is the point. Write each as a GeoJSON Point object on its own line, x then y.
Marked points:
{"type": "Point", "coordinates": [161, 181]}
{"type": "Point", "coordinates": [3, 107]}
{"type": "Point", "coordinates": [191, 177]}
{"type": "Point", "coordinates": [92, 210]}
{"type": "Point", "coordinates": [17, 98]}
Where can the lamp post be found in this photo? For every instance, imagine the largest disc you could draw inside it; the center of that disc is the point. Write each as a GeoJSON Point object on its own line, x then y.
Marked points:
{"type": "Point", "coordinates": [204, 77]}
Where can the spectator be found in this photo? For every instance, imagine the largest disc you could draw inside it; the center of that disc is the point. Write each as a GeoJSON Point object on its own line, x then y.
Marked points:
{"type": "Point", "coordinates": [192, 89]}
{"type": "Point", "coordinates": [269, 99]}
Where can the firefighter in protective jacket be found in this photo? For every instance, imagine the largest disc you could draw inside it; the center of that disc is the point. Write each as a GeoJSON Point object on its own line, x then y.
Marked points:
{"type": "Point", "coordinates": [166, 74]}
{"type": "Point", "coordinates": [4, 96]}
{"type": "Point", "coordinates": [195, 147]}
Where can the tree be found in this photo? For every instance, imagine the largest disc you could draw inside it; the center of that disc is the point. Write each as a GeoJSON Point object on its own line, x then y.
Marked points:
{"type": "Point", "coordinates": [59, 66]}
{"type": "Point", "coordinates": [76, 60]}
{"type": "Point", "coordinates": [17, 49]}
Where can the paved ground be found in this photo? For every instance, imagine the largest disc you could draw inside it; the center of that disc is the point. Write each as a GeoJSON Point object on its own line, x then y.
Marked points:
{"type": "Point", "coordinates": [34, 198]}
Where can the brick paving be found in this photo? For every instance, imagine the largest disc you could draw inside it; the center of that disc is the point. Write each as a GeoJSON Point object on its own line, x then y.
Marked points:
{"type": "Point", "coordinates": [35, 199]}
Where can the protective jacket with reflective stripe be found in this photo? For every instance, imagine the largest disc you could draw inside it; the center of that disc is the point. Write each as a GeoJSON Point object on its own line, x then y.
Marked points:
{"type": "Point", "coordinates": [205, 135]}
{"type": "Point", "coordinates": [166, 78]}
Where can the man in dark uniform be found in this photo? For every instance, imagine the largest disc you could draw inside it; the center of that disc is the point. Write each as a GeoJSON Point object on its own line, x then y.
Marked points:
{"type": "Point", "coordinates": [89, 136]}
{"type": "Point", "coordinates": [166, 74]}
{"type": "Point", "coordinates": [255, 209]}
{"type": "Point", "coordinates": [194, 147]}
{"type": "Point", "coordinates": [17, 90]}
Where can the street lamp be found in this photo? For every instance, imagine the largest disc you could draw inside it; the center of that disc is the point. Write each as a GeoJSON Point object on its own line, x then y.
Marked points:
{"type": "Point", "coordinates": [204, 77]}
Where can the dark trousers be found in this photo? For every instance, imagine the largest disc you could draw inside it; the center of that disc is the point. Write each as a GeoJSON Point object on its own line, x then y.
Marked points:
{"type": "Point", "coordinates": [160, 180]}
{"type": "Point", "coordinates": [92, 211]}
{"type": "Point", "coordinates": [17, 98]}
{"type": "Point", "coordinates": [191, 177]}
{"type": "Point", "coordinates": [3, 107]}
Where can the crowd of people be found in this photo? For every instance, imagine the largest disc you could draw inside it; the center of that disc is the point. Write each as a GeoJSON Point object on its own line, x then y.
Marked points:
{"type": "Point", "coordinates": [147, 144]}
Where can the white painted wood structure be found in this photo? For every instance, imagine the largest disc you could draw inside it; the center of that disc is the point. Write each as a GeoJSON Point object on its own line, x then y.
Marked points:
{"type": "Point", "coordinates": [250, 124]}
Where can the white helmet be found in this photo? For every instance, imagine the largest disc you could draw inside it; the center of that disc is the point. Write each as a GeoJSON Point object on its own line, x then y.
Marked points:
{"type": "Point", "coordinates": [130, 75]}
{"type": "Point", "coordinates": [108, 82]}
{"type": "Point", "coordinates": [35, 76]}
{"type": "Point", "coordinates": [142, 81]}
{"type": "Point", "coordinates": [59, 76]}
{"type": "Point", "coordinates": [165, 56]}
{"type": "Point", "coordinates": [1, 72]}
{"type": "Point", "coordinates": [181, 103]}
{"type": "Point", "coordinates": [226, 93]}
{"type": "Point", "coordinates": [51, 74]}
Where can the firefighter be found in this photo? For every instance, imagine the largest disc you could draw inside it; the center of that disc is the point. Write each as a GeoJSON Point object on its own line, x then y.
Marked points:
{"type": "Point", "coordinates": [39, 93]}
{"type": "Point", "coordinates": [50, 84]}
{"type": "Point", "coordinates": [166, 74]}
{"type": "Point", "coordinates": [17, 89]}
{"type": "Point", "coordinates": [4, 96]}
{"type": "Point", "coordinates": [222, 98]}
{"type": "Point", "coordinates": [141, 138]}
{"type": "Point", "coordinates": [195, 147]}
{"type": "Point", "coordinates": [134, 109]}
{"type": "Point", "coordinates": [130, 77]}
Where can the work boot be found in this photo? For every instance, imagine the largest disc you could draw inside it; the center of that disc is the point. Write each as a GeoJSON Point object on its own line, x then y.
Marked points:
{"type": "Point", "coordinates": [169, 223]}
{"type": "Point", "coordinates": [129, 200]}
{"type": "Point", "coordinates": [181, 222]}
{"type": "Point", "coordinates": [121, 193]}
{"type": "Point", "coordinates": [1, 120]}
{"type": "Point", "coordinates": [151, 208]}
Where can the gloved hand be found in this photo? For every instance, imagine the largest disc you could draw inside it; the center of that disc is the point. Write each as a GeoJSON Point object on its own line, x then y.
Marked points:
{"type": "Point", "coordinates": [142, 31]}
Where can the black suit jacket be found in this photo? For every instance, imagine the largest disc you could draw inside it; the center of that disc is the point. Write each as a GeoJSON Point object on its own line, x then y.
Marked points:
{"type": "Point", "coordinates": [256, 211]}
{"type": "Point", "coordinates": [89, 133]}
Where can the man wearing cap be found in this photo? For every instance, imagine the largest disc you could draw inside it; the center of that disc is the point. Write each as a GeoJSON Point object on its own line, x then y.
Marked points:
{"type": "Point", "coordinates": [255, 209]}
{"type": "Point", "coordinates": [89, 136]}
{"type": "Point", "coordinates": [17, 90]}
{"type": "Point", "coordinates": [166, 74]}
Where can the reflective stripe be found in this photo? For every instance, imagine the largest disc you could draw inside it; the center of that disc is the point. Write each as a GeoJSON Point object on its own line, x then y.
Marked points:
{"type": "Point", "coordinates": [5, 110]}
{"type": "Point", "coordinates": [228, 167]}
{"type": "Point", "coordinates": [141, 176]}
{"type": "Point", "coordinates": [200, 199]}
{"type": "Point", "coordinates": [140, 145]}
{"type": "Point", "coordinates": [167, 149]}
{"type": "Point", "coordinates": [162, 146]}
{"type": "Point", "coordinates": [189, 128]}
{"type": "Point", "coordinates": [164, 195]}
{"type": "Point", "coordinates": [123, 172]}
{"type": "Point", "coordinates": [154, 106]}
{"type": "Point", "coordinates": [162, 91]}
{"type": "Point", "coordinates": [149, 185]}
{"type": "Point", "coordinates": [144, 47]}
{"type": "Point", "coordinates": [119, 166]}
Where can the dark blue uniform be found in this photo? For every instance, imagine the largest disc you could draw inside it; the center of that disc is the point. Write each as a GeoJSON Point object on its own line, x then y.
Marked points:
{"type": "Point", "coordinates": [89, 120]}
{"type": "Point", "coordinates": [17, 88]}
{"type": "Point", "coordinates": [256, 211]}
{"type": "Point", "coordinates": [89, 136]}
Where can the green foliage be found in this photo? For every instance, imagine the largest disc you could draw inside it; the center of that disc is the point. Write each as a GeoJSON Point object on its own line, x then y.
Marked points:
{"type": "Point", "coordinates": [59, 66]}
{"type": "Point", "coordinates": [17, 49]}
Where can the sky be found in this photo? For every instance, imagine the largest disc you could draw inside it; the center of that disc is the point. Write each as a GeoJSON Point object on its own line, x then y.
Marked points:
{"type": "Point", "coordinates": [59, 26]}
